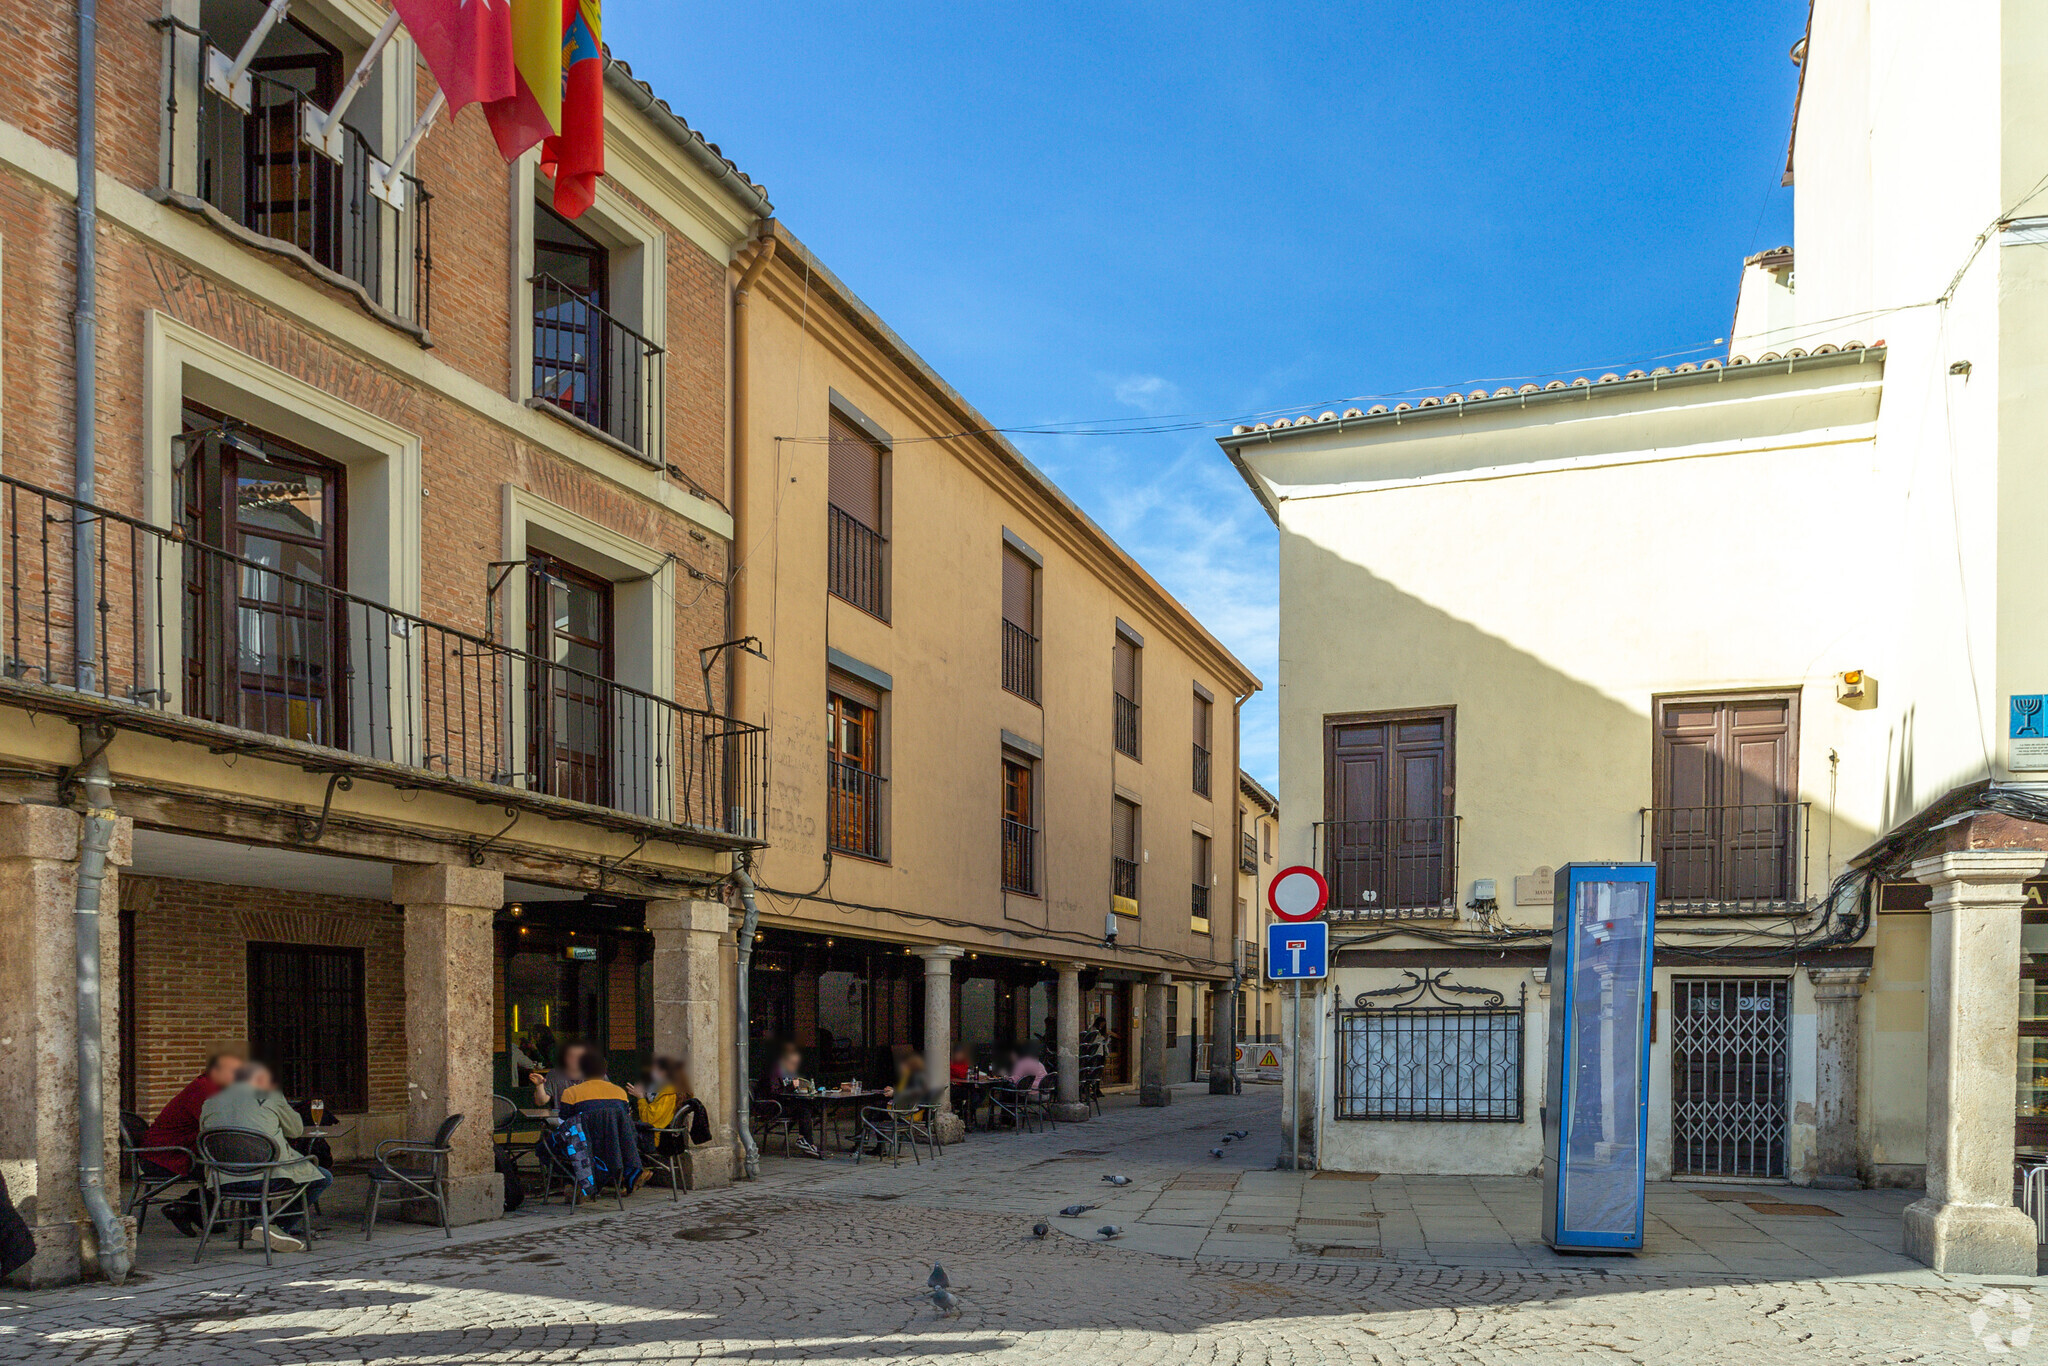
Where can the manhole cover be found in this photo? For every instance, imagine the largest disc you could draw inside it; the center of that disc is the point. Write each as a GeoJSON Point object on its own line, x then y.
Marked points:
{"type": "Point", "coordinates": [1268, 1229]}
{"type": "Point", "coordinates": [1345, 1176]}
{"type": "Point", "coordinates": [1780, 1207]}
{"type": "Point", "coordinates": [715, 1233]}
{"type": "Point", "coordinates": [1354, 1253]}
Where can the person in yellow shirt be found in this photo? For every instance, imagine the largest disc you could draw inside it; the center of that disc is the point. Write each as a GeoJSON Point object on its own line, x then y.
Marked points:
{"type": "Point", "coordinates": [667, 1093]}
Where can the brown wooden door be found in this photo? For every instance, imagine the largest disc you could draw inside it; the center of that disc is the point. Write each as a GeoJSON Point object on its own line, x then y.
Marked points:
{"type": "Point", "coordinates": [1725, 818]}
{"type": "Point", "coordinates": [1388, 804]}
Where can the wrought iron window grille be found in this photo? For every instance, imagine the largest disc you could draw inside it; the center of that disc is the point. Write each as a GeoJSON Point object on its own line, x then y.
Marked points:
{"type": "Point", "coordinates": [1429, 1048]}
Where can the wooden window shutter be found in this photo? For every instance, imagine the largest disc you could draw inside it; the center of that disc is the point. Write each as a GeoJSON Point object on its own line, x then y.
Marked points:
{"type": "Point", "coordinates": [1202, 705]}
{"type": "Point", "coordinates": [856, 475]}
{"type": "Point", "coordinates": [1125, 669]}
{"type": "Point", "coordinates": [1201, 861]}
{"type": "Point", "coordinates": [1019, 591]}
{"type": "Point", "coordinates": [854, 689]}
{"type": "Point", "coordinates": [1123, 830]}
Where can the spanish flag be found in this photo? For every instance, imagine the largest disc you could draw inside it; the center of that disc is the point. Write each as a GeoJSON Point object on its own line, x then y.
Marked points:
{"type": "Point", "coordinates": [534, 111]}
{"type": "Point", "coordinates": [575, 156]}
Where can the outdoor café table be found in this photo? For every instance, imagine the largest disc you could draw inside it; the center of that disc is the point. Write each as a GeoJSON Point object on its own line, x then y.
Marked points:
{"type": "Point", "coordinates": [971, 1097]}
{"type": "Point", "coordinates": [819, 1104]}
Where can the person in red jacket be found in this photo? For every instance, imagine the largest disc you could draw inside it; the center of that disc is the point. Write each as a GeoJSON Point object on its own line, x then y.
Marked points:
{"type": "Point", "coordinates": [177, 1126]}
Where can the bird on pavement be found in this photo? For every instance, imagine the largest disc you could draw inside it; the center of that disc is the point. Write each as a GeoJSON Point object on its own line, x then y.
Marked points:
{"type": "Point", "coordinates": [1075, 1211]}
{"type": "Point", "coordinates": [1040, 1229]}
{"type": "Point", "coordinates": [938, 1280]}
{"type": "Point", "coordinates": [946, 1302]}
{"type": "Point", "coordinates": [1230, 1138]}
{"type": "Point", "coordinates": [1240, 1133]}
{"type": "Point", "coordinates": [1109, 1231]}
{"type": "Point", "coordinates": [1118, 1180]}
{"type": "Point", "coordinates": [1215, 1152]}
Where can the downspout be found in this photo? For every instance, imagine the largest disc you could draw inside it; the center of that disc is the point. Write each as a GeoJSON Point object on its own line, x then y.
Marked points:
{"type": "Point", "coordinates": [743, 1116]}
{"type": "Point", "coordinates": [1216, 1074]}
{"type": "Point", "coordinates": [85, 399]}
{"type": "Point", "coordinates": [95, 841]}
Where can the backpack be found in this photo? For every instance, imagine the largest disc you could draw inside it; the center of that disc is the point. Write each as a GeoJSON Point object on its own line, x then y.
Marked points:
{"type": "Point", "coordinates": [515, 1189]}
{"type": "Point", "coordinates": [568, 1148]}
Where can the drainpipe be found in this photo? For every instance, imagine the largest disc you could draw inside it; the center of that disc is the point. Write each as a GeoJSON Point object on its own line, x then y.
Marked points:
{"type": "Point", "coordinates": [95, 840]}
{"type": "Point", "coordinates": [742, 1093]}
{"type": "Point", "coordinates": [84, 615]}
{"type": "Point", "coordinates": [736, 600]}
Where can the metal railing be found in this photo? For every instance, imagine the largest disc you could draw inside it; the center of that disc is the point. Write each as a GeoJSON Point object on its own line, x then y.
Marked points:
{"type": "Point", "coordinates": [594, 367]}
{"type": "Point", "coordinates": [1198, 902]}
{"type": "Point", "coordinates": [855, 805]}
{"type": "Point", "coordinates": [1201, 770]}
{"type": "Point", "coordinates": [1247, 852]}
{"type": "Point", "coordinates": [1020, 857]}
{"type": "Point", "coordinates": [854, 561]}
{"type": "Point", "coordinates": [258, 171]}
{"type": "Point", "coordinates": [1020, 661]}
{"type": "Point", "coordinates": [1729, 859]}
{"type": "Point", "coordinates": [196, 638]}
{"type": "Point", "coordinates": [1403, 868]}
{"type": "Point", "coordinates": [1127, 716]}
{"type": "Point", "coordinates": [1123, 878]}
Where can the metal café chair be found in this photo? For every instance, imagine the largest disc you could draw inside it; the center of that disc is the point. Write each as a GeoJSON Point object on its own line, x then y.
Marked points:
{"type": "Point", "coordinates": [1008, 1101]}
{"type": "Point", "coordinates": [770, 1118]}
{"type": "Point", "coordinates": [885, 1127]}
{"type": "Point", "coordinates": [412, 1181]}
{"type": "Point", "coordinates": [1038, 1100]}
{"type": "Point", "coordinates": [241, 1158]}
{"type": "Point", "coordinates": [675, 1165]}
{"type": "Point", "coordinates": [147, 1180]}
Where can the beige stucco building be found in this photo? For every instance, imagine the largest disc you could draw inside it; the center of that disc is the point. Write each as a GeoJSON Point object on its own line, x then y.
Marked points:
{"type": "Point", "coordinates": [1759, 620]}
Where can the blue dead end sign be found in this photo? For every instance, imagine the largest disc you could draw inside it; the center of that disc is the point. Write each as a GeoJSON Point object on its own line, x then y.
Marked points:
{"type": "Point", "coordinates": [1297, 951]}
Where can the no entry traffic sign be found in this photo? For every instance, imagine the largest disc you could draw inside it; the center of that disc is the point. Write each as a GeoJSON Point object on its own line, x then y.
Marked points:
{"type": "Point", "coordinates": [1298, 893]}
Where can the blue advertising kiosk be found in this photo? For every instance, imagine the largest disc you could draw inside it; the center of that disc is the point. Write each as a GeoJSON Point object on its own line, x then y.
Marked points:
{"type": "Point", "coordinates": [1596, 1117]}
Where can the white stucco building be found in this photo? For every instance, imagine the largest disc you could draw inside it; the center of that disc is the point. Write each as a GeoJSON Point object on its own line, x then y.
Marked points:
{"type": "Point", "coordinates": [1760, 621]}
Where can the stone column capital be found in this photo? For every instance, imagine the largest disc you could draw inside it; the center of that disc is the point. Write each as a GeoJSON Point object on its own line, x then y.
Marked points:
{"type": "Point", "coordinates": [446, 884]}
{"type": "Point", "coordinates": [1835, 984]}
{"type": "Point", "coordinates": [1075, 968]}
{"type": "Point", "coordinates": [668, 916]}
{"type": "Point", "coordinates": [938, 959]}
{"type": "Point", "coordinates": [1978, 877]}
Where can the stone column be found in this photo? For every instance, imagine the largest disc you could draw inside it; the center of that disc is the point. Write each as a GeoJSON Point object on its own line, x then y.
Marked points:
{"type": "Point", "coordinates": [938, 1038]}
{"type": "Point", "coordinates": [1968, 1222]}
{"type": "Point", "coordinates": [690, 950]}
{"type": "Point", "coordinates": [1837, 1033]}
{"type": "Point", "coordinates": [1152, 1081]}
{"type": "Point", "coordinates": [1222, 1037]}
{"type": "Point", "coordinates": [448, 1027]}
{"type": "Point", "coordinates": [39, 1035]}
{"type": "Point", "coordinates": [1069, 1109]}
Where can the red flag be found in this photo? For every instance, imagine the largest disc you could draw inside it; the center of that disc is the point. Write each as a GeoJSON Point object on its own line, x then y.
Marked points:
{"type": "Point", "coordinates": [467, 44]}
{"type": "Point", "coordinates": [575, 157]}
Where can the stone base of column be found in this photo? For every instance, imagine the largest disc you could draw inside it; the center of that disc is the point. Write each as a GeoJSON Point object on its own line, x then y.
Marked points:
{"type": "Point", "coordinates": [67, 1251]}
{"type": "Point", "coordinates": [1221, 1086]}
{"type": "Point", "coordinates": [1072, 1112]}
{"type": "Point", "coordinates": [711, 1166]}
{"type": "Point", "coordinates": [1975, 1240]}
{"type": "Point", "coordinates": [949, 1127]}
{"type": "Point", "coordinates": [1155, 1095]}
{"type": "Point", "coordinates": [1837, 1183]}
{"type": "Point", "coordinates": [471, 1199]}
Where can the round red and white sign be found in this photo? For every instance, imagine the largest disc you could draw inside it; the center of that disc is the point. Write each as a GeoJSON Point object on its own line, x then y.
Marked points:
{"type": "Point", "coordinates": [1298, 893]}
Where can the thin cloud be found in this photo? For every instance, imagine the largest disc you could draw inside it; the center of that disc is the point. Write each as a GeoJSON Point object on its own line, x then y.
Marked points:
{"type": "Point", "coordinates": [1151, 395]}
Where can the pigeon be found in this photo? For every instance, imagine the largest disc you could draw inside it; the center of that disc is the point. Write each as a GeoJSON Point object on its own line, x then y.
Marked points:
{"type": "Point", "coordinates": [1118, 1180]}
{"type": "Point", "coordinates": [1075, 1211]}
{"type": "Point", "coordinates": [1240, 1133]}
{"type": "Point", "coordinates": [1215, 1152]}
{"type": "Point", "coordinates": [1230, 1138]}
{"type": "Point", "coordinates": [1109, 1231]}
{"type": "Point", "coordinates": [946, 1302]}
{"type": "Point", "coordinates": [938, 1280]}
{"type": "Point", "coordinates": [1040, 1229]}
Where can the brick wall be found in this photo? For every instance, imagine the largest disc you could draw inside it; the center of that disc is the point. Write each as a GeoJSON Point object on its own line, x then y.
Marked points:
{"type": "Point", "coordinates": [191, 975]}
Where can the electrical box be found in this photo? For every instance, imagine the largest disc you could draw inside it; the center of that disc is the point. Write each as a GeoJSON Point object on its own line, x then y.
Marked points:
{"type": "Point", "coordinates": [1597, 1111]}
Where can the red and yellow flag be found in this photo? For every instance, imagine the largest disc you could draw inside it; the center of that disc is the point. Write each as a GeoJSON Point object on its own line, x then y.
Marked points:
{"type": "Point", "coordinates": [534, 111]}
{"type": "Point", "coordinates": [575, 155]}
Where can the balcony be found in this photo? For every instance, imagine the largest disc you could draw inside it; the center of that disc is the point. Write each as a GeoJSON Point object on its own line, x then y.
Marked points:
{"type": "Point", "coordinates": [345, 215]}
{"type": "Point", "coordinates": [1201, 770]}
{"type": "Point", "coordinates": [1020, 858]}
{"type": "Point", "coordinates": [1247, 852]}
{"type": "Point", "coordinates": [1020, 661]}
{"type": "Point", "coordinates": [1399, 869]}
{"type": "Point", "coordinates": [854, 561]}
{"type": "Point", "coordinates": [1126, 726]}
{"type": "Point", "coordinates": [594, 368]}
{"type": "Point", "coordinates": [1729, 860]}
{"type": "Point", "coordinates": [196, 643]}
{"type": "Point", "coordinates": [1123, 879]}
{"type": "Point", "coordinates": [1198, 908]}
{"type": "Point", "coordinates": [856, 801]}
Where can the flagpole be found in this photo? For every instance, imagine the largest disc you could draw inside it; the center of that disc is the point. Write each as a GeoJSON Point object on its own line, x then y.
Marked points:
{"type": "Point", "coordinates": [388, 184]}
{"type": "Point", "coordinates": [230, 79]}
{"type": "Point", "coordinates": [324, 131]}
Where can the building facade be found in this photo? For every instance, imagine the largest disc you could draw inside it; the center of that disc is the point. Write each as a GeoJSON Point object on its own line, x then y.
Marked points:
{"type": "Point", "coordinates": [1001, 803]}
{"type": "Point", "coordinates": [1762, 621]}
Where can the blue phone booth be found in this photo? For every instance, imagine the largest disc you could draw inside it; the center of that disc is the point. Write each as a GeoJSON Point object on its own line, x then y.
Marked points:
{"type": "Point", "coordinates": [1596, 1117]}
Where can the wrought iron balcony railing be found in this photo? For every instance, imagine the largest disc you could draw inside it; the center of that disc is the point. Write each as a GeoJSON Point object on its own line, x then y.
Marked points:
{"type": "Point", "coordinates": [1123, 878]}
{"type": "Point", "coordinates": [1248, 852]}
{"type": "Point", "coordinates": [1390, 869]}
{"type": "Point", "coordinates": [194, 641]}
{"type": "Point", "coordinates": [1201, 770]}
{"type": "Point", "coordinates": [1020, 661]}
{"type": "Point", "coordinates": [1127, 717]}
{"type": "Point", "coordinates": [1198, 905]}
{"type": "Point", "coordinates": [856, 804]}
{"type": "Point", "coordinates": [255, 167]}
{"type": "Point", "coordinates": [595, 368]}
{"type": "Point", "coordinates": [854, 561]}
{"type": "Point", "coordinates": [1020, 857]}
{"type": "Point", "coordinates": [1741, 860]}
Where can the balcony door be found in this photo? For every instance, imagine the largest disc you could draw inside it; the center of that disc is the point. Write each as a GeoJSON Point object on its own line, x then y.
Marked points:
{"type": "Point", "coordinates": [571, 296]}
{"type": "Point", "coordinates": [569, 706]}
{"type": "Point", "coordinates": [293, 193]}
{"type": "Point", "coordinates": [1724, 826]}
{"type": "Point", "coordinates": [853, 767]}
{"type": "Point", "coordinates": [264, 648]}
{"type": "Point", "coordinates": [1387, 803]}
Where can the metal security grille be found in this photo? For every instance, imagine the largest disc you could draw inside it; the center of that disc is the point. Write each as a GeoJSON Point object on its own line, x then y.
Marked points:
{"type": "Point", "coordinates": [307, 1021]}
{"type": "Point", "coordinates": [1414, 1052]}
{"type": "Point", "coordinates": [1730, 1063]}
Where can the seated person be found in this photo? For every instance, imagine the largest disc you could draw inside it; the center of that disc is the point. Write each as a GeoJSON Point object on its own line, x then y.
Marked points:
{"type": "Point", "coordinates": [667, 1093]}
{"type": "Point", "coordinates": [548, 1087]}
{"type": "Point", "coordinates": [593, 1086]}
{"type": "Point", "coordinates": [606, 1112]}
{"type": "Point", "coordinates": [912, 1089]}
{"type": "Point", "coordinates": [251, 1102]}
{"type": "Point", "coordinates": [781, 1084]}
{"type": "Point", "coordinates": [177, 1126]}
{"type": "Point", "coordinates": [963, 1065]}
{"type": "Point", "coordinates": [1027, 1071]}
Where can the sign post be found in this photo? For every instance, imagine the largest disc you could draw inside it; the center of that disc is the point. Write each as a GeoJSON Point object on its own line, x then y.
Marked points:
{"type": "Point", "coordinates": [1297, 948]}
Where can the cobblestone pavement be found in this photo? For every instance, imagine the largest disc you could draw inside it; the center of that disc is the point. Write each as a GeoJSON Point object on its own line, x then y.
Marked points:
{"type": "Point", "coordinates": [827, 1262]}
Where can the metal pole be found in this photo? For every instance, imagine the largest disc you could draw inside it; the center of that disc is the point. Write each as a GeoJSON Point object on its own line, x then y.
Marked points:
{"type": "Point", "coordinates": [1294, 1067]}
{"type": "Point", "coordinates": [1315, 1071]}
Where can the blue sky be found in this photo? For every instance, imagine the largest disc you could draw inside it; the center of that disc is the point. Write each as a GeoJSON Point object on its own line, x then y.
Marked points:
{"type": "Point", "coordinates": [1094, 216]}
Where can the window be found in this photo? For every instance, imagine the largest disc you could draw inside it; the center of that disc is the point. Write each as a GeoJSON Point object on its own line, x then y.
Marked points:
{"type": "Point", "coordinates": [569, 703]}
{"type": "Point", "coordinates": [1125, 678]}
{"type": "Point", "coordinates": [1267, 828]}
{"type": "Point", "coordinates": [1198, 908]}
{"type": "Point", "coordinates": [269, 662]}
{"type": "Point", "coordinates": [1389, 840]}
{"type": "Point", "coordinates": [1725, 826]}
{"type": "Point", "coordinates": [1431, 1056]}
{"type": "Point", "coordinates": [586, 361]}
{"type": "Point", "coordinates": [1020, 829]}
{"type": "Point", "coordinates": [307, 1021]}
{"type": "Point", "coordinates": [855, 544]}
{"type": "Point", "coordinates": [2032, 1110]}
{"type": "Point", "coordinates": [1173, 1017]}
{"type": "Point", "coordinates": [1240, 1017]}
{"type": "Point", "coordinates": [1020, 624]}
{"type": "Point", "coordinates": [1204, 707]}
{"type": "Point", "coordinates": [1123, 847]}
{"type": "Point", "coordinates": [856, 789]}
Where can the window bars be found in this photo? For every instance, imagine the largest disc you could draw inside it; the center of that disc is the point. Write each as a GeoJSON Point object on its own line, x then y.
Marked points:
{"type": "Point", "coordinates": [1431, 1049]}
